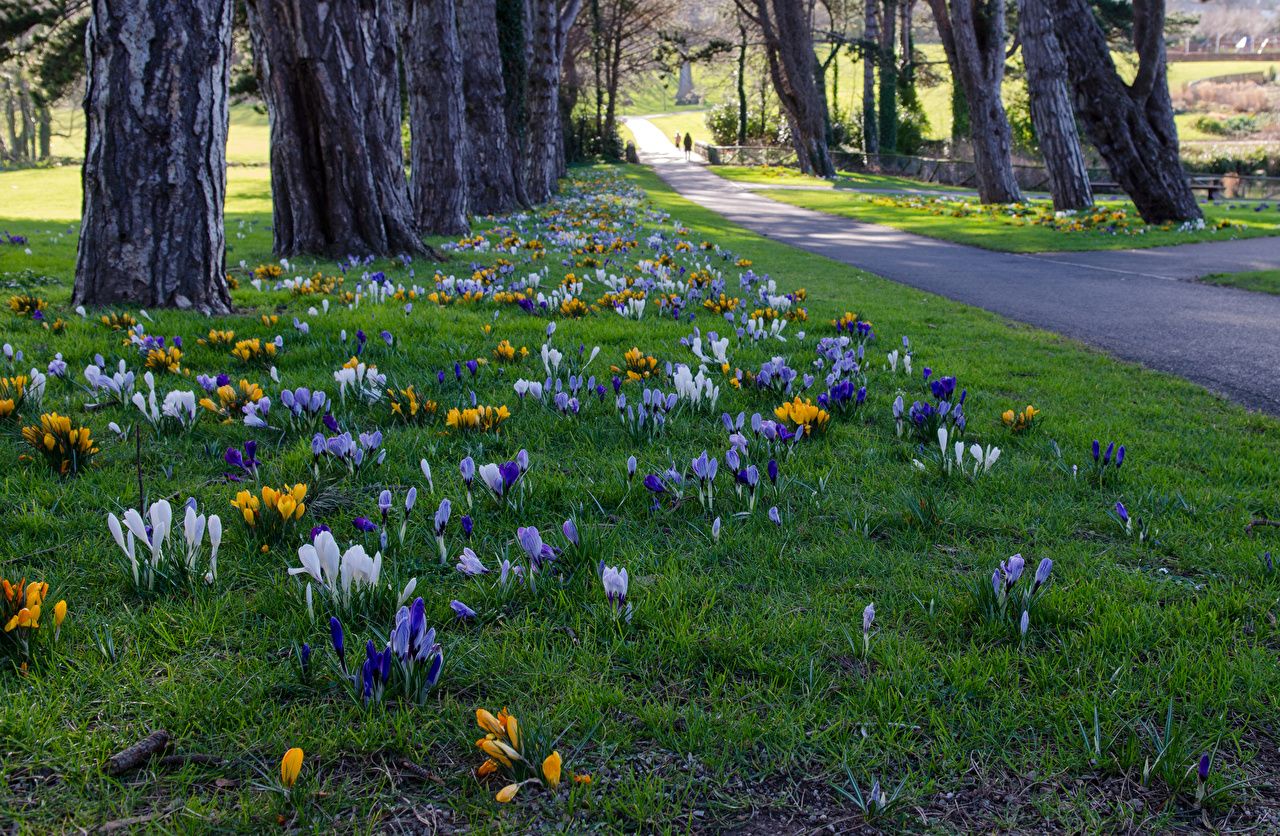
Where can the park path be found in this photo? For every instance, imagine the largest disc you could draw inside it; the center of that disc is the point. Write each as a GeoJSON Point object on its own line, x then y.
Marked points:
{"type": "Point", "coordinates": [1136, 304]}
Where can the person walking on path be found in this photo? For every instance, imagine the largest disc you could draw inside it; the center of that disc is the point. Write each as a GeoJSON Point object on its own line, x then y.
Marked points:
{"type": "Point", "coordinates": [688, 145]}
{"type": "Point", "coordinates": [677, 140]}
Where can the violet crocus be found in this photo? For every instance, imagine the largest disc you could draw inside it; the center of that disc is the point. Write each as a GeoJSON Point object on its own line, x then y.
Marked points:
{"type": "Point", "coordinates": [384, 504]}
{"type": "Point", "coordinates": [469, 564]}
{"type": "Point", "coordinates": [868, 618]}
{"type": "Point", "coordinates": [531, 541]}
{"type": "Point", "coordinates": [715, 530]}
{"type": "Point", "coordinates": [631, 468]}
{"type": "Point", "coordinates": [570, 530]}
{"type": "Point", "coordinates": [654, 484]}
{"type": "Point", "coordinates": [467, 467]}
{"type": "Point", "coordinates": [614, 581]}
{"type": "Point", "coordinates": [365, 524]}
{"type": "Point", "coordinates": [772, 470]}
{"type": "Point", "coordinates": [441, 523]}
{"type": "Point", "coordinates": [339, 644]}
{"type": "Point", "coordinates": [467, 525]}
{"type": "Point", "coordinates": [460, 609]}
{"type": "Point", "coordinates": [775, 516]}
{"type": "Point", "coordinates": [1042, 573]}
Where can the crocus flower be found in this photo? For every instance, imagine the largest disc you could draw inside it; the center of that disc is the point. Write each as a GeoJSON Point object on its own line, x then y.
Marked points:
{"type": "Point", "coordinates": [653, 483]}
{"type": "Point", "coordinates": [384, 504]}
{"type": "Point", "coordinates": [1202, 769]}
{"type": "Point", "coordinates": [772, 469]}
{"type": "Point", "coordinates": [1024, 623]}
{"type": "Point", "coordinates": [715, 530]}
{"type": "Point", "coordinates": [570, 530]}
{"type": "Point", "coordinates": [463, 612]}
{"type": "Point", "coordinates": [1122, 513]}
{"type": "Point", "coordinates": [365, 524]}
{"type": "Point", "coordinates": [631, 468]}
{"type": "Point", "coordinates": [615, 586]}
{"type": "Point", "coordinates": [467, 526]}
{"type": "Point", "coordinates": [1042, 572]}
{"type": "Point", "coordinates": [775, 515]}
{"type": "Point", "coordinates": [290, 766]}
{"type": "Point", "coordinates": [336, 636]}
{"type": "Point", "coordinates": [441, 522]}
{"type": "Point", "coordinates": [469, 564]}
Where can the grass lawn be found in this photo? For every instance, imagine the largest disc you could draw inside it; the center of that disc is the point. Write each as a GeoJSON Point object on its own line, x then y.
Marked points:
{"type": "Point", "coordinates": [693, 121]}
{"type": "Point", "coordinates": [964, 221]}
{"type": "Point", "coordinates": [1262, 281]}
{"type": "Point", "coordinates": [783, 176]}
{"type": "Point", "coordinates": [741, 691]}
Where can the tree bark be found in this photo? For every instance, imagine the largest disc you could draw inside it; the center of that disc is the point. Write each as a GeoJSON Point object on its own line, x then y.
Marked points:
{"type": "Point", "coordinates": [543, 106]}
{"type": "Point", "coordinates": [793, 68]}
{"type": "Point", "coordinates": [742, 85]}
{"type": "Point", "coordinates": [329, 74]}
{"type": "Point", "coordinates": [492, 187]}
{"type": "Point", "coordinates": [972, 33]}
{"type": "Point", "coordinates": [1131, 125]}
{"type": "Point", "coordinates": [515, 52]}
{"type": "Point", "coordinates": [870, 56]}
{"type": "Point", "coordinates": [154, 171]}
{"type": "Point", "coordinates": [437, 117]}
{"type": "Point", "coordinates": [1051, 114]}
{"type": "Point", "coordinates": [889, 78]}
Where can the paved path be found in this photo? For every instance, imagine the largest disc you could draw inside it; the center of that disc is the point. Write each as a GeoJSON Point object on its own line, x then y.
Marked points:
{"type": "Point", "coordinates": [1135, 304]}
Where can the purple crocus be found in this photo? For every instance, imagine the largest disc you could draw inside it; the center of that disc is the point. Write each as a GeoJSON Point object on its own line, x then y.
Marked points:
{"type": "Point", "coordinates": [339, 646]}
{"type": "Point", "coordinates": [463, 612]}
{"type": "Point", "coordinates": [775, 515]}
{"type": "Point", "coordinates": [467, 526]}
{"type": "Point", "coordinates": [1042, 573]}
{"type": "Point", "coordinates": [365, 524]}
{"type": "Point", "coordinates": [442, 516]}
{"type": "Point", "coordinates": [570, 530]}
{"type": "Point", "coordinates": [654, 484]}
{"type": "Point", "coordinates": [773, 471]}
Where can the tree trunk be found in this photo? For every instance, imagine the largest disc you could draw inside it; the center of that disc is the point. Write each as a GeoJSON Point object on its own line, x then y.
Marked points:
{"type": "Point", "coordinates": [514, 51]}
{"type": "Point", "coordinates": [973, 35]}
{"type": "Point", "coordinates": [155, 172]}
{"type": "Point", "coordinates": [793, 68]}
{"type": "Point", "coordinates": [543, 101]}
{"type": "Point", "coordinates": [437, 117]}
{"type": "Point", "coordinates": [45, 121]}
{"type": "Point", "coordinates": [1051, 108]}
{"type": "Point", "coordinates": [742, 85]}
{"type": "Point", "coordinates": [330, 77]}
{"type": "Point", "coordinates": [889, 78]}
{"type": "Point", "coordinates": [492, 187]}
{"type": "Point", "coordinates": [1131, 125]}
{"type": "Point", "coordinates": [870, 54]}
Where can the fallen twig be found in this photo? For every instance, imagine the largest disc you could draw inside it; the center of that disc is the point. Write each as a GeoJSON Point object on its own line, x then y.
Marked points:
{"type": "Point", "coordinates": [139, 753]}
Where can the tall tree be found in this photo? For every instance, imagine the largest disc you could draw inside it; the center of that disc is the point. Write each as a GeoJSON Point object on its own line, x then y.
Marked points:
{"type": "Point", "coordinates": [437, 116]}
{"type": "Point", "coordinates": [155, 155]}
{"type": "Point", "coordinates": [889, 77]}
{"type": "Point", "coordinates": [515, 52]}
{"type": "Point", "coordinates": [330, 76]}
{"type": "Point", "coordinates": [1051, 114]}
{"type": "Point", "coordinates": [490, 159]}
{"type": "Point", "coordinates": [794, 69]}
{"type": "Point", "coordinates": [973, 36]}
{"type": "Point", "coordinates": [870, 57]}
{"type": "Point", "coordinates": [1131, 124]}
{"type": "Point", "coordinates": [551, 22]}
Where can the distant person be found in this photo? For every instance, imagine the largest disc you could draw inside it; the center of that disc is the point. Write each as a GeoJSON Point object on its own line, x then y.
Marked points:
{"type": "Point", "coordinates": [677, 140]}
{"type": "Point", "coordinates": [688, 145]}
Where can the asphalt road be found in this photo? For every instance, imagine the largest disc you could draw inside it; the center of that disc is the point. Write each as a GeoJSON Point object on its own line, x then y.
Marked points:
{"type": "Point", "coordinates": [1138, 305]}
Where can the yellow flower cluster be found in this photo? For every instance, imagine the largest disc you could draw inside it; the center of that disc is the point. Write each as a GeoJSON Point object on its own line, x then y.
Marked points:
{"type": "Point", "coordinates": [119, 321]}
{"type": "Point", "coordinates": [638, 364]}
{"type": "Point", "coordinates": [767, 314]}
{"type": "Point", "coordinates": [722, 304]}
{"type": "Point", "coordinates": [804, 415]}
{"type": "Point", "coordinates": [511, 297]}
{"type": "Point", "coordinates": [20, 612]}
{"type": "Point", "coordinates": [318, 284]}
{"type": "Point", "coordinates": [164, 359]}
{"type": "Point", "coordinates": [233, 399]}
{"type": "Point", "coordinates": [503, 747]}
{"type": "Point", "coordinates": [481, 418]}
{"type": "Point", "coordinates": [700, 278]}
{"type": "Point", "coordinates": [268, 271]}
{"type": "Point", "coordinates": [1019, 421]}
{"type": "Point", "coordinates": [743, 262]}
{"type": "Point", "coordinates": [57, 326]}
{"type": "Point", "coordinates": [574, 307]}
{"type": "Point", "coordinates": [286, 502]}
{"type": "Point", "coordinates": [218, 339]}
{"type": "Point", "coordinates": [64, 447]}
{"type": "Point", "coordinates": [12, 391]}
{"type": "Point", "coordinates": [508, 353]}
{"type": "Point", "coordinates": [848, 321]}
{"type": "Point", "coordinates": [613, 300]}
{"type": "Point", "coordinates": [25, 304]}
{"type": "Point", "coordinates": [254, 351]}
{"type": "Point", "coordinates": [408, 407]}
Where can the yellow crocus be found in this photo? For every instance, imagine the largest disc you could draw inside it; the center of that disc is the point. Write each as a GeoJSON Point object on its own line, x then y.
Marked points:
{"type": "Point", "coordinates": [290, 766]}
{"type": "Point", "coordinates": [551, 770]}
{"type": "Point", "coordinates": [507, 793]}
{"type": "Point", "coordinates": [488, 722]}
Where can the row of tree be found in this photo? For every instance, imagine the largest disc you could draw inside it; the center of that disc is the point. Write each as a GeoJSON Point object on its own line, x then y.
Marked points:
{"type": "Point", "coordinates": [481, 89]}
{"type": "Point", "coordinates": [1072, 82]}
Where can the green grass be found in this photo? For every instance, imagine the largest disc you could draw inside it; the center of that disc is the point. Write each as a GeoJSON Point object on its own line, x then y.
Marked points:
{"type": "Point", "coordinates": [738, 692]}
{"type": "Point", "coordinates": [782, 176]}
{"type": "Point", "coordinates": [995, 231]}
{"type": "Point", "coordinates": [1262, 281]}
{"type": "Point", "coordinates": [246, 137]}
{"type": "Point", "coordinates": [686, 122]}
